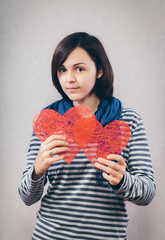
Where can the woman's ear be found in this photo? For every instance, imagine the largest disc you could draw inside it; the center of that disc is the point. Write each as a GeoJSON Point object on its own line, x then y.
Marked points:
{"type": "Point", "coordinates": [100, 72]}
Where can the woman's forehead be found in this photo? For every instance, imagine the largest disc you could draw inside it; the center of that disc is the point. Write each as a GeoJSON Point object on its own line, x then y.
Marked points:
{"type": "Point", "coordinates": [78, 56]}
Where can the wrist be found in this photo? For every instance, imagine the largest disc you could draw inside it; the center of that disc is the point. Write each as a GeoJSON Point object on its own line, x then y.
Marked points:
{"type": "Point", "coordinates": [35, 176]}
{"type": "Point", "coordinates": [117, 187]}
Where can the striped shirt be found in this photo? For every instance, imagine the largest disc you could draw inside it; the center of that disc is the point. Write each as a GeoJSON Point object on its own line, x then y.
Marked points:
{"type": "Point", "coordinates": [76, 206]}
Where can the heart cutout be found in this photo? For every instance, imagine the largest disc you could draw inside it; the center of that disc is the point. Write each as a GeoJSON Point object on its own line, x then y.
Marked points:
{"type": "Point", "coordinates": [114, 138]}
{"type": "Point", "coordinates": [111, 139]}
{"type": "Point", "coordinates": [49, 122]}
{"type": "Point", "coordinates": [82, 131]}
{"type": "Point", "coordinates": [46, 123]}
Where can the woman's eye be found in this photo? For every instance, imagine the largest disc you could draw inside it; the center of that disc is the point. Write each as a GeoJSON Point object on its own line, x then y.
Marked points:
{"type": "Point", "coordinates": [79, 69]}
{"type": "Point", "coordinates": [62, 70]}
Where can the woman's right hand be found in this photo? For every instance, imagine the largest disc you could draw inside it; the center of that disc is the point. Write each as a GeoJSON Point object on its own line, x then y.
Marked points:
{"type": "Point", "coordinates": [53, 145]}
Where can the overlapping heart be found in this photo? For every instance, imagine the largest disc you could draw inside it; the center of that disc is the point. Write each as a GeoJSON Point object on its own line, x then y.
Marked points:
{"type": "Point", "coordinates": [82, 131]}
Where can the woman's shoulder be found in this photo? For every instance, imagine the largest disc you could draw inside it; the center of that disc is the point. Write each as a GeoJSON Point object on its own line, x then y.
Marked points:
{"type": "Point", "coordinates": [131, 116]}
{"type": "Point", "coordinates": [130, 113]}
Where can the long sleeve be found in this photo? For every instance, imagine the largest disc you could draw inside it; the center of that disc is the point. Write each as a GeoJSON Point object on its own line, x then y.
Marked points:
{"type": "Point", "coordinates": [138, 183]}
{"type": "Point", "coordinates": [31, 191]}
{"type": "Point", "coordinates": [138, 190]}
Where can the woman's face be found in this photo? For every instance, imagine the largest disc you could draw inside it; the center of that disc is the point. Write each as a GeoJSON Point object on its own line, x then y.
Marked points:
{"type": "Point", "coordinates": [77, 76]}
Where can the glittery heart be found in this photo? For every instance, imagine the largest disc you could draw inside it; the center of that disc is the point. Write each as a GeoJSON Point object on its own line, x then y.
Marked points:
{"type": "Point", "coordinates": [82, 131]}
{"type": "Point", "coordinates": [46, 123]}
{"type": "Point", "coordinates": [111, 139]}
{"type": "Point", "coordinates": [49, 122]}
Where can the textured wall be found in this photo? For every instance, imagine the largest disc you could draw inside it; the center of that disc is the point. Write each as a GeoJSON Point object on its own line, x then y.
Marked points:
{"type": "Point", "coordinates": [133, 33]}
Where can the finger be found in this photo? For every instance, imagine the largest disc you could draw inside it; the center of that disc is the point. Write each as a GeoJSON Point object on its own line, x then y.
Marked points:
{"type": "Point", "coordinates": [56, 159]}
{"type": "Point", "coordinates": [110, 164]}
{"type": "Point", "coordinates": [108, 170]}
{"type": "Point", "coordinates": [116, 157]}
{"type": "Point", "coordinates": [57, 150]}
{"type": "Point", "coordinates": [111, 168]}
{"type": "Point", "coordinates": [112, 180]}
{"type": "Point", "coordinates": [57, 143]}
{"type": "Point", "coordinates": [54, 137]}
{"type": "Point", "coordinates": [102, 167]}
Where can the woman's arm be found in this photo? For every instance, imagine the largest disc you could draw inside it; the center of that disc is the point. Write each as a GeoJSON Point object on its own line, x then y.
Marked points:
{"type": "Point", "coordinates": [39, 159]}
{"type": "Point", "coordinates": [31, 190]}
{"type": "Point", "coordinates": [131, 175]}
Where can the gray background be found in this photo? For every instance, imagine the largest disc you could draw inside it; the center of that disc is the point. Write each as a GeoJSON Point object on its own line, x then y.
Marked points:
{"type": "Point", "coordinates": [133, 34]}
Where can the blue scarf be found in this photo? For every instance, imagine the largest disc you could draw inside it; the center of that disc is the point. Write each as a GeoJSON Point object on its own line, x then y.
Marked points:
{"type": "Point", "coordinates": [107, 111]}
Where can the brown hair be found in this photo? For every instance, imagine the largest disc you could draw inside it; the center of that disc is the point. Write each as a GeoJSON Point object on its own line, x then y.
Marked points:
{"type": "Point", "coordinates": [104, 85]}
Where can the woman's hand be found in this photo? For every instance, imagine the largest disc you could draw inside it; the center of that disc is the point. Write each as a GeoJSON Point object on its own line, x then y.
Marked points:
{"type": "Point", "coordinates": [53, 145]}
{"type": "Point", "coordinates": [113, 171]}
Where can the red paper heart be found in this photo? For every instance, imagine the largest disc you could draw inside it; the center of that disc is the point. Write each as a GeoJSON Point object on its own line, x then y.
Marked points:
{"type": "Point", "coordinates": [46, 123]}
{"type": "Point", "coordinates": [111, 139]}
{"type": "Point", "coordinates": [49, 122]}
{"type": "Point", "coordinates": [82, 131]}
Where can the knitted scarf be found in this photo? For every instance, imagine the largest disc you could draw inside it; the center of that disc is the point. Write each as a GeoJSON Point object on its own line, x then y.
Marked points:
{"type": "Point", "coordinates": [107, 111]}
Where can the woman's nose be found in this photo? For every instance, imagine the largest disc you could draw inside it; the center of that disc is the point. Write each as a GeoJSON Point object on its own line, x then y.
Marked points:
{"type": "Point", "coordinates": [70, 77]}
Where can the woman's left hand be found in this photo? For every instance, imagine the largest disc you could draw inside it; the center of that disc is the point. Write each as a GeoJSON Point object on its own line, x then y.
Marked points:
{"type": "Point", "coordinates": [113, 171]}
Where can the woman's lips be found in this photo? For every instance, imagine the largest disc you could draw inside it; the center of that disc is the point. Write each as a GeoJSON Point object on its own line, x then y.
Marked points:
{"type": "Point", "coordinates": [72, 88]}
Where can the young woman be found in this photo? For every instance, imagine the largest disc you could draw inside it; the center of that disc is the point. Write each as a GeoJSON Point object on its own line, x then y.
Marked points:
{"type": "Point", "coordinates": [78, 205]}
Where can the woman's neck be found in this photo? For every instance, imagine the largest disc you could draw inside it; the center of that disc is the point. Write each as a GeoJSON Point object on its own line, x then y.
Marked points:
{"type": "Point", "coordinates": [91, 103]}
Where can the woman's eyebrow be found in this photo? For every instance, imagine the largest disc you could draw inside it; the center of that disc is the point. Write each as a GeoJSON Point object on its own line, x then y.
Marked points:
{"type": "Point", "coordinates": [78, 64]}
